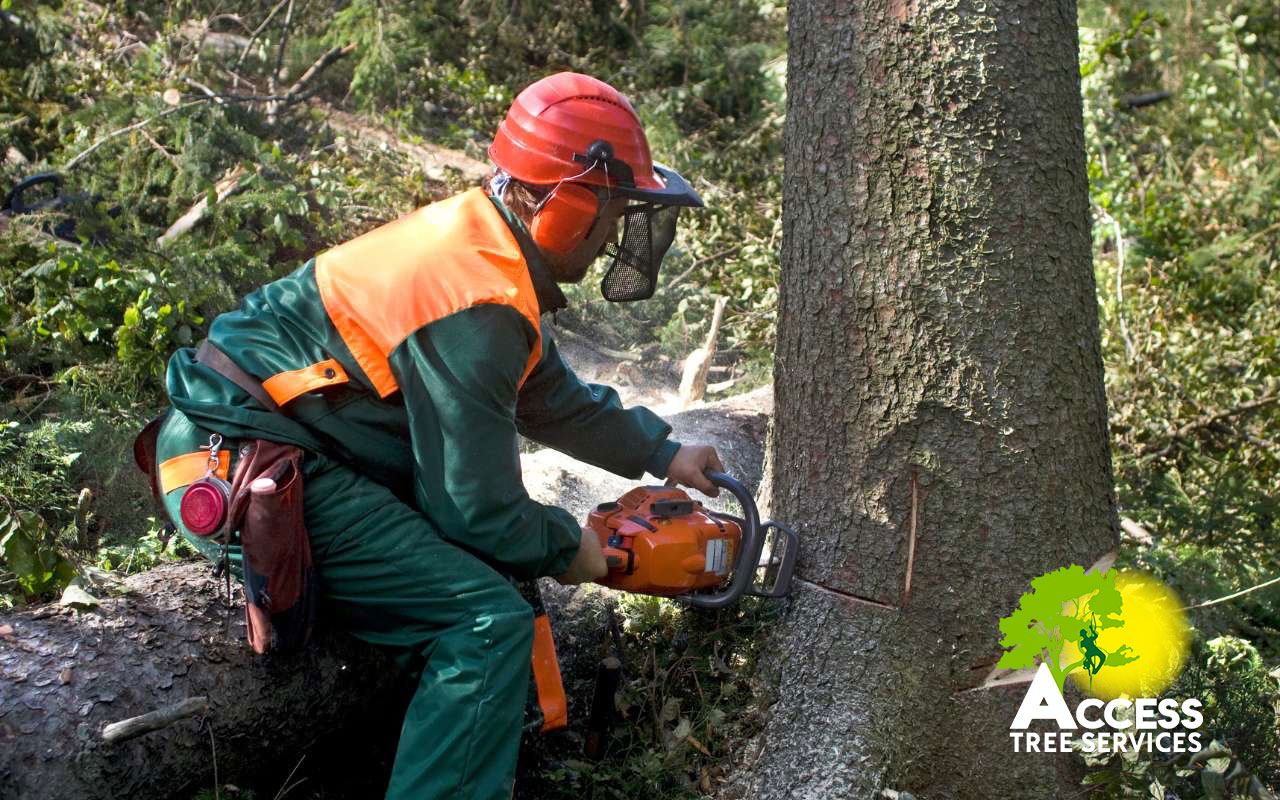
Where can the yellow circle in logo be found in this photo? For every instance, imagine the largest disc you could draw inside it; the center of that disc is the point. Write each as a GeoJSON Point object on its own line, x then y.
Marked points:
{"type": "Point", "coordinates": [1140, 658]}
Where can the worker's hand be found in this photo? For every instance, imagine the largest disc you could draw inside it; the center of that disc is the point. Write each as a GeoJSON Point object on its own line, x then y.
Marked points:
{"type": "Point", "coordinates": [588, 564]}
{"type": "Point", "coordinates": [690, 464]}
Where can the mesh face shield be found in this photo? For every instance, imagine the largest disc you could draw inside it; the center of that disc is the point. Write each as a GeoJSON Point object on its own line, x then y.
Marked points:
{"type": "Point", "coordinates": [648, 229]}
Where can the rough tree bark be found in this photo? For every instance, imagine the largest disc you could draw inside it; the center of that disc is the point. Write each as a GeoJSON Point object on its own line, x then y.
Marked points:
{"type": "Point", "coordinates": [940, 434]}
{"type": "Point", "coordinates": [64, 674]}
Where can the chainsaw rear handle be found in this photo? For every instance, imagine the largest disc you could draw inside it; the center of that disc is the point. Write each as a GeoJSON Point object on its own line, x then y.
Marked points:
{"type": "Point", "coordinates": [749, 549]}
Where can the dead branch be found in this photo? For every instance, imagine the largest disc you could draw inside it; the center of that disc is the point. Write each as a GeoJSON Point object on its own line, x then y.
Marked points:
{"type": "Point", "coordinates": [229, 183]}
{"type": "Point", "coordinates": [1206, 421]}
{"type": "Point", "coordinates": [693, 384]}
{"type": "Point", "coordinates": [722, 386]}
{"type": "Point", "coordinates": [211, 94]}
{"type": "Point", "coordinates": [1135, 532]}
{"type": "Point", "coordinates": [296, 92]}
{"type": "Point", "coordinates": [322, 63]}
{"type": "Point", "coordinates": [154, 720]}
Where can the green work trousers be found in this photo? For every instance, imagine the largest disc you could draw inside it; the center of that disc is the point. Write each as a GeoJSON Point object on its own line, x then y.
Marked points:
{"type": "Point", "coordinates": [387, 576]}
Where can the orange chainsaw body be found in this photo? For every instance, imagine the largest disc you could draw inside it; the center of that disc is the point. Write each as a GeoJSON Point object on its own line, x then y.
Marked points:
{"type": "Point", "coordinates": [658, 541]}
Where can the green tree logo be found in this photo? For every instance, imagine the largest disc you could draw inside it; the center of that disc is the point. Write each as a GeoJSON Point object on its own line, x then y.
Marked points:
{"type": "Point", "coordinates": [1067, 604]}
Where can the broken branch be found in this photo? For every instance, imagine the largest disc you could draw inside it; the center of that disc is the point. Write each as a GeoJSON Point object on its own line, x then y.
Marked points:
{"type": "Point", "coordinates": [155, 720]}
{"type": "Point", "coordinates": [229, 183]}
{"type": "Point", "coordinates": [295, 92]}
{"type": "Point", "coordinates": [1206, 421]}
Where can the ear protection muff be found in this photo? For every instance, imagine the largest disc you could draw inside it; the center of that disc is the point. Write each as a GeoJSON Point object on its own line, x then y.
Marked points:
{"type": "Point", "coordinates": [564, 218]}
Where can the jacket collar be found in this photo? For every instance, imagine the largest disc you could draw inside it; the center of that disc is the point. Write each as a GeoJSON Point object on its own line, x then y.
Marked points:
{"type": "Point", "coordinates": [550, 298]}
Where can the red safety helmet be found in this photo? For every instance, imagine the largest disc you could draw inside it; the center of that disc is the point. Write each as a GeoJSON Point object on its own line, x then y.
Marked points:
{"type": "Point", "coordinates": [573, 132]}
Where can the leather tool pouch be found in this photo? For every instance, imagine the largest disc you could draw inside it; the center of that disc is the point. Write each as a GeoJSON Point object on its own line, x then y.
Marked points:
{"type": "Point", "coordinates": [279, 578]}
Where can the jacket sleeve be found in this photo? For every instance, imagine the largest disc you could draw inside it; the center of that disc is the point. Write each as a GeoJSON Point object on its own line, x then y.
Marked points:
{"type": "Point", "coordinates": [588, 421]}
{"type": "Point", "coordinates": [459, 377]}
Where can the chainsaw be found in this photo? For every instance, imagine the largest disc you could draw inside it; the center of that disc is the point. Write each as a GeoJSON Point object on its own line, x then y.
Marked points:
{"type": "Point", "coordinates": [659, 541]}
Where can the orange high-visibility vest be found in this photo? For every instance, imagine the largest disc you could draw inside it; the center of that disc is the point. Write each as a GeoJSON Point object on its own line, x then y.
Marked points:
{"type": "Point", "coordinates": [381, 287]}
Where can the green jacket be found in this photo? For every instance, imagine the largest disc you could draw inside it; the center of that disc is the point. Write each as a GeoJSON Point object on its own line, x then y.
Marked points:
{"type": "Point", "coordinates": [465, 384]}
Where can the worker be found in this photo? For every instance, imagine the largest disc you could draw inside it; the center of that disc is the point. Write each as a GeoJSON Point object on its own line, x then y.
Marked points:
{"type": "Point", "coordinates": [404, 363]}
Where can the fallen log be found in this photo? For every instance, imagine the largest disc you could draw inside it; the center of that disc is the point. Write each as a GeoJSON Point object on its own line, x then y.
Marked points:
{"type": "Point", "coordinates": [65, 676]}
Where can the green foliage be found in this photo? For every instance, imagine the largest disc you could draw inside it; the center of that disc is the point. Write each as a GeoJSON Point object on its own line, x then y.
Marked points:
{"type": "Point", "coordinates": [44, 519]}
{"type": "Point", "coordinates": [691, 691]}
{"type": "Point", "coordinates": [1186, 228]}
{"type": "Point", "coordinates": [153, 548]}
{"type": "Point", "coordinates": [31, 554]}
{"type": "Point", "coordinates": [36, 465]}
{"type": "Point", "coordinates": [1240, 756]}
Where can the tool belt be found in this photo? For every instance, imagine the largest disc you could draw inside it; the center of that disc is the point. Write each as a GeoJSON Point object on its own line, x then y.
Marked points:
{"type": "Point", "coordinates": [279, 585]}
{"type": "Point", "coordinates": [263, 502]}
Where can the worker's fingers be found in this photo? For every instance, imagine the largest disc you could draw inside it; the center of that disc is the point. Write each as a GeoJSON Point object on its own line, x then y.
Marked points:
{"type": "Point", "coordinates": [703, 484]}
{"type": "Point", "coordinates": [689, 468]}
{"type": "Point", "coordinates": [715, 461]}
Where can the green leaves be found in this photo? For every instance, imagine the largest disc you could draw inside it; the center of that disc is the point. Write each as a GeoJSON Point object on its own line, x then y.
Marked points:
{"type": "Point", "coordinates": [25, 546]}
{"type": "Point", "coordinates": [1191, 184]}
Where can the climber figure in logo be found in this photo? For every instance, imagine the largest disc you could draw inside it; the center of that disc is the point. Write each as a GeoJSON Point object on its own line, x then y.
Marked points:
{"type": "Point", "coordinates": [1093, 655]}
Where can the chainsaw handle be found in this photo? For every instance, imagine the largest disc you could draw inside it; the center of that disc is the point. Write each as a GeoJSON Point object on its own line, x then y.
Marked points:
{"type": "Point", "coordinates": [749, 549]}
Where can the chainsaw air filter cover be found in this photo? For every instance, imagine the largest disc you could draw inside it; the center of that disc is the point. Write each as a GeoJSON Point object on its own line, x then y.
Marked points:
{"type": "Point", "coordinates": [658, 541]}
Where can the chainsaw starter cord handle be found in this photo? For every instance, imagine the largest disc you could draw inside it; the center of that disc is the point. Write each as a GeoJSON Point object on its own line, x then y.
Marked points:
{"type": "Point", "coordinates": [749, 549]}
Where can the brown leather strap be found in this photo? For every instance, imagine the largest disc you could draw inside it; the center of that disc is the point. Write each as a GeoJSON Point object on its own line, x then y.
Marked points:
{"type": "Point", "coordinates": [219, 362]}
{"type": "Point", "coordinates": [144, 454]}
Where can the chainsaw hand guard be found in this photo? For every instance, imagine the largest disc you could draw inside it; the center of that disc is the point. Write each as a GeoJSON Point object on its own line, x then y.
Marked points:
{"type": "Point", "coordinates": [744, 569]}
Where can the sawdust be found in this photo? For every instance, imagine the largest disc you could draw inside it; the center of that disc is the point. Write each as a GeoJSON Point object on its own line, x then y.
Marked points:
{"type": "Point", "coordinates": [735, 426]}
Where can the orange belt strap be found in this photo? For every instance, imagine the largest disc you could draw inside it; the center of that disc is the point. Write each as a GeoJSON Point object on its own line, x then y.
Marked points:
{"type": "Point", "coordinates": [188, 468]}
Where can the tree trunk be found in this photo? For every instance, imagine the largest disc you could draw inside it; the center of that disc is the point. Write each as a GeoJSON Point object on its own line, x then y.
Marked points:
{"type": "Point", "coordinates": [939, 435]}
{"type": "Point", "coordinates": [65, 675]}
